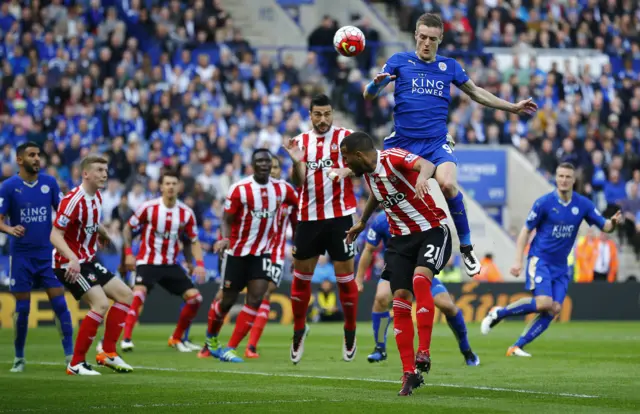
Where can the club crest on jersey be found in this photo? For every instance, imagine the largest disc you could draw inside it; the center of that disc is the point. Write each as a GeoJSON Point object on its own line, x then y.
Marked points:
{"type": "Point", "coordinates": [334, 148]}
{"type": "Point", "coordinates": [91, 277]}
{"type": "Point", "coordinates": [392, 178]}
{"type": "Point", "coordinates": [575, 211]}
{"type": "Point", "coordinates": [315, 165]}
{"type": "Point", "coordinates": [442, 66]}
{"type": "Point", "coordinates": [391, 200]}
{"type": "Point", "coordinates": [45, 189]}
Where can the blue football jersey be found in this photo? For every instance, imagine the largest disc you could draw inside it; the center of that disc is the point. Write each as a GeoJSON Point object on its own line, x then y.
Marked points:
{"type": "Point", "coordinates": [32, 206]}
{"type": "Point", "coordinates": [422, 94]}
{"type": "Point", "coordinates": [557, 224]}
{"type": "Point", "coordinates": [379, 230]}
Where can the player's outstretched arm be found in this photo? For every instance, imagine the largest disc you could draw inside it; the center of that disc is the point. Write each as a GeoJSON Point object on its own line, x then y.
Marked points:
{"type": "Point", "coordinates": [426, 169]}
{"type": "Point", "coordinates": [521, 244]}
{"type": "Point", "coordinates": [297, 156]}
{"type": "Point", "coordinates": [357, 228]}
{"type": "Point", "coordinates": [486, 98]}
{"type": "Point", "coordinates": [377, 85]}
{"type": "Point", "coordinates": [365, 261]}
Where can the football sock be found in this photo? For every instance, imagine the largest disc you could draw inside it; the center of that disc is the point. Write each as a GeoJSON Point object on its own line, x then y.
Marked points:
{"type": "Point", "coordinates": [381, 320]}
{"type": "Point", "coordinates": [259, 324]}
{"type": "Point", "coordinates": [523, 306]}
{"type": "Point", "coordinates": [21, 325]}
{"type": "Point", "coordinates": [300, 295]}
{"type": "Point", "coordinates": [113, 326]}
{"type": "Point", "coordinates": [244, 322]}
{"type": "Point", "coordinates": [215, 319]}
{"type": "Point", "coordinates": [86, 335]}
{"type": "Point", "coordinates": [134, 312]}
{"type": "Point", "coordinates": [459, 328]}
{"type": "Point", "coordinates": [539, 324]}
{"type": "Point", "coordinates": [348, 293]}
{"type": "Point", "coordinates": [403, 330]}
{"type": "Point", "coordinates": [189, 311]}
{"type": "Point", "coordinates": [424, 310]}
{"type": "Point", "coordinates": [459, 216]}
{"type": "Point", "coordinates": [63, 319]}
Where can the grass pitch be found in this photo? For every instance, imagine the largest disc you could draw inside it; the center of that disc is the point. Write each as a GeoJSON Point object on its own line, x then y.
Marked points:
{"type": "Point", "coordinates": [576, 367]}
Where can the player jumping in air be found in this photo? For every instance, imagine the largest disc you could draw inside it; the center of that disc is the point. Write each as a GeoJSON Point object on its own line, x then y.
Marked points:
{"type": "Point", "coordinates": [420, 244]}
{"type": "Point", "coordinates": [28, 199]}
{"type": "Point", "coordinates": [250, 212]}
{"type": "Point", "coordinates": [325, 214]}
{"type": "Point", "coordinates": [422, 95]}
{"type": "Point", "coordinates": [162, 222]}
{"type": "Point", "coordinates": [74, 236]}
{"type": "Point", "coordinates": [379, 233]}
{"type": "Point", "coordinates": [286, 219]}
{"type": "Point", "coordinates": [556, 218]}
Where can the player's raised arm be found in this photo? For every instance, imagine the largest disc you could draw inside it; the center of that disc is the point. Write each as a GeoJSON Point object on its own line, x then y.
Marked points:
{"type": "Point", "coordinates": [377, 85]}
{"type": "Point", "coordinates": [486, 98]}
{"type": "Point", "coordinates": [296, 152]}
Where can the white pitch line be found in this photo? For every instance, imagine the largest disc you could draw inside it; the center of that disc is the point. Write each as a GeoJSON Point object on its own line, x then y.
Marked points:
{"type": "Point", "coordinates": [161, 405]}
{"type": "Point", "coordinates": [378, 380]}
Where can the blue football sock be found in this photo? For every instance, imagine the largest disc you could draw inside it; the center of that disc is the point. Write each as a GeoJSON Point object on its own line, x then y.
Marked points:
{"type": "Point", "coordinates": [523, 306]}
{"type": "Point", "coordinates": [59, 305]}
{"type": "Point", "coordinates": [381, 320]}
{"type": "Point", "coordinates": [459, 216]}
{"type": "Point", "coordinates": [21, 325]}
{"type": "Point", "coordinates": [539, 324]}
{"type": "Point", "coordinates": [459, 328]}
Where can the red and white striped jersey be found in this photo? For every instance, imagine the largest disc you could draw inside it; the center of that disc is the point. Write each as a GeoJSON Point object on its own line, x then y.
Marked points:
{"type": "Point", "coordinates": [393, 184]}
{"type": "Point", "coordinates": [79, 215]}
{"type": "Point", "coordinates": [255, 208]}
{"type": "Point", "coordinates": [161, 228]}
{"type": "Point", "coordinates": [320, 197]}
{"type": "Point", "coordinates": [283, 228]}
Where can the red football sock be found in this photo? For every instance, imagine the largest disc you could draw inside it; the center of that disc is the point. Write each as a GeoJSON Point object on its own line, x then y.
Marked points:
{"type": "Point", "coordinates": [86, 335]}
{"type": "Point", "coordinates": [300, 296]}
{"type": "Point", "coordinates": [425, 310]}
{"type": "Point", "coordinates": [259, 324]}
{"type": "Point", "coordinates": [348, 293]}
{"type": "Point", "coordinates": [216, 319]}
{"type": "Point", "coordinates": [244, 322]}
{"type": "Point", "coordinates": [403, 330]}
{"type": "Point", "coordinates": [113, 326]}
{"type": "Point", "coordinates": [134, 311]}
{"type": "Point", "coordinates": [189, 311]}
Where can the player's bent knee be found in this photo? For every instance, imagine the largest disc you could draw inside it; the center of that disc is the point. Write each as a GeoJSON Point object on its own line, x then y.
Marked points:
{"type": "Point", "coordinates": [403, 294]}
{"type": "Point", "coordinates": [556, 308]}
{"type": "Point", "coordinates": [140, 288]}
{"type": "Point", "coordinates": [190, 293]}
{"type": "Point", "coordinates": [343, 267]}
{"type": "Point", "coordinates": [449, 188]}
{"type": "Point", "coordinates": [381, 302]}
{"type": "Point", "coordinates": [100, 305]}
{"type": "Point", "coordinates": [544, 304]}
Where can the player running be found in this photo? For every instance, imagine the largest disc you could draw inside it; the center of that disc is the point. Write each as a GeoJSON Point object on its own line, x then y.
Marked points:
{"type": "Point", "coordinates": [379, 233]}
{"type": "Point", "coordinates": [556, 218]}
{"type": "Point", "coordinates": [325, 213]}
{"type": "Point", "coordinates": [250, 212]}
{"type": "Point", "coordinates": [286, 220]}
{"type": "Point", "coordinates": [162, 222]}
{"type": "Point", "coordinates": [422, 95]}
{"type": "Point", "coordinates": [74, 236]}
{"type": "Point", "coordinates": [420, 244]}
{"type": "Point", "coordinates": [28, 199]}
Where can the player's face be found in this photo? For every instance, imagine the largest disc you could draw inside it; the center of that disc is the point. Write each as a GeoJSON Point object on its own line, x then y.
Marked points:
{"type": "Point", "coordinates": [427, 41]}
{"type": "Point", "coordinates": [96, 175]}
{"type": "Point", "coordinates": [322, 118]}
{"type": "Point", "coordinates": [262, 165]}
{"type": "Point", "coordinates": [276, 169]}
{"type": "Point", "coordinates": [30, 160]}
{"type": "Point", "coordinates": [565, 179]}
{"type": "Point", "coordinates": [169, 187]}
{"type": "Point", "coordinates": [356, 161]}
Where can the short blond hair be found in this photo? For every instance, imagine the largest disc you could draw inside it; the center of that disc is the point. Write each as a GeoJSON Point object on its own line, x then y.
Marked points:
{"type": "Point", "coordinates": [91, 159]}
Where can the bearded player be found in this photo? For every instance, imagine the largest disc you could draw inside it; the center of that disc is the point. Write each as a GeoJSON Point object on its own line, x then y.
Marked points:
{"type": "Point", "coordinates": [420, 244]}
{"type": "Point", "coordinates": [325, 213]}
{"type": "Point", "coordinates": [422, 96]}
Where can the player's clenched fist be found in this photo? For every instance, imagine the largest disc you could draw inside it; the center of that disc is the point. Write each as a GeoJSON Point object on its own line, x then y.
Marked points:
{"type": "Point", "coordinates": [352, 233]}
{"type": "Point", "coordinates": [516, 269]}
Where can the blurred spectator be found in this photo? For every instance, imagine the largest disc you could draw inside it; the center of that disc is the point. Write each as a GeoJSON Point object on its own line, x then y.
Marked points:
{"type": "Point", "coordinates": [585, 257]}
{"type": "Point", "coordinates": [327, 301]}
{"type": "Point", "coordinates": [324, 271]}
{"type": "Point", "coordinates": [606, 263]}
{"type": "Point", "coordinates": [489, 272]}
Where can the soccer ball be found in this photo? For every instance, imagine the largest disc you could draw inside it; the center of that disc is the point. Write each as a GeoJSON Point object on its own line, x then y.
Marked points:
{"type": "Point", "coordinates": [349, 41]}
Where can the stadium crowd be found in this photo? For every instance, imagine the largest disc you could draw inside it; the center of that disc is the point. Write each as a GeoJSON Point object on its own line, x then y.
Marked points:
{"type": "Point", "coordinates": [174, 84]}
